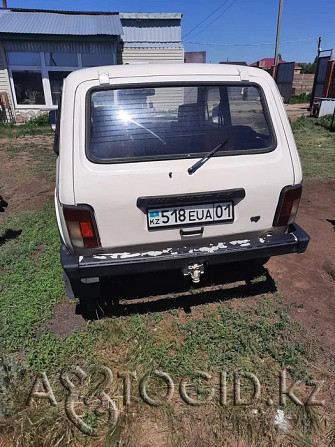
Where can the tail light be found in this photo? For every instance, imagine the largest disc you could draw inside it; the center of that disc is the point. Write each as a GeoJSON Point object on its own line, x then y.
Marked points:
{"type": "Point", "coordinates": [287, 206]}
{"type": "Point", "coordinates": [81, 226]}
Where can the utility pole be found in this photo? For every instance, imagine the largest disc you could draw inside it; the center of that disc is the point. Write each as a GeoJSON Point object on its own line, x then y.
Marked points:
{"type": "Point", "coordinates": [319, 46]}
{"type": "Point", "coordinates": [4, 4]}
{"type": "Point", "coordinates": [280, 13]}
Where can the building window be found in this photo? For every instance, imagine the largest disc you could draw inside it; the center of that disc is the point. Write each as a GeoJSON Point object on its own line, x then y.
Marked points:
{"type": "Point", "coordinates": [37, 77]}
{"type": "Point", "coordinates": [56, 84]}
{"type": "Point", "coordinates": [61, 59]}
{"type": "Point", "coordinates": [95, 60]}
{"type": "Point", "coordinates": [28, 87]}
{"type": "Point", "coordinates": [24, 59]}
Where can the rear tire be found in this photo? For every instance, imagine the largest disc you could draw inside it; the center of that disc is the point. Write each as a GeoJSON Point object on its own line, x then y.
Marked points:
{"type": "Point", "coordinates": [97, 300]}
{"type": "Point", "coordinates": [255, 267]}
{"type": "Point", "coordinates": [88, 295]}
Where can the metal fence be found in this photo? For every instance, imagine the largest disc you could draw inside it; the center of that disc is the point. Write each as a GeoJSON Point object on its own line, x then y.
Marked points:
{"type": "Point", "coordinates": [284, 79]}
{"type": "Point", "coordinates": [320, 77]}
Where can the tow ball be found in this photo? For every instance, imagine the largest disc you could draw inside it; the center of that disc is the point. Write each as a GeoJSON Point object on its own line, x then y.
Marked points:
{"type": "Point", "coordinates": [194, 270]}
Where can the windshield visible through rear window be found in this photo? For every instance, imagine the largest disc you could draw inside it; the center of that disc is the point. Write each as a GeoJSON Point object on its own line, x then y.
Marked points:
{"type": "Point", "coordinates": [138, 124]}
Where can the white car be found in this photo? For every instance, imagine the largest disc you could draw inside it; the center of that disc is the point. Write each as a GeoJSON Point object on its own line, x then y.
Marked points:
{"type": "Point", "coordinates": [173, 167]}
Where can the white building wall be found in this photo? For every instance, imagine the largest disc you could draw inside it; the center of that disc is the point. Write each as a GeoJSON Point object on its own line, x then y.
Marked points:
{"type": "Point", "coordinates": [4, 79]}
{"type": "Point", "coordinates": [153, 55]}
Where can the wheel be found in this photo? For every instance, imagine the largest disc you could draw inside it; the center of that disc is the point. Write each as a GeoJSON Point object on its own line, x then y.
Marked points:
{"type": "Point", "coordinates": [96, 298]}
{"type": "Point", "coordinates": [255, 267]}
{"type": "Point", "coordinates": [88, 294]}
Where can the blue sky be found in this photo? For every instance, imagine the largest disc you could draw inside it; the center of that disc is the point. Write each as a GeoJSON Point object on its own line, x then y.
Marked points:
{"type": "Point", "coordinates": [235, 24]}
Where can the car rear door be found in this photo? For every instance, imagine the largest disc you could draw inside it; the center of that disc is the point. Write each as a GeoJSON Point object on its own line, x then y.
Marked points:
{"type": "Point", "coordinates": [127, 169]}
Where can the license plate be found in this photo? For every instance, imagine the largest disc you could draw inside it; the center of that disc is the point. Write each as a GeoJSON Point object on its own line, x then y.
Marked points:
{"type": "Point", "coordinates": [190, 215]}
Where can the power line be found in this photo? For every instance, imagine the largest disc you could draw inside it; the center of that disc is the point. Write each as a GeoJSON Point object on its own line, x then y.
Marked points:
{"type": "Point", "coordinates": [216, 18]}
{"type": "Point", "coordinates": [248, 44]}
{"type": "Point", "coordinates": [204, 20]}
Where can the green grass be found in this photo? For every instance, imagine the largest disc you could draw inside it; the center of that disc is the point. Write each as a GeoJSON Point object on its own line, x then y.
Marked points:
{"type": "Point", "coordinates": [52, 353]}
{"type": "Point", "coordinates": [303, 98]}
{"type": "Point", "coordinates": [316, 145]}
{"type": "Point", "coordinates": [31, 282]}
{"type": "Point", "coordinates": [35, 126]}
{"type": "Point", "coordinates": [217, 339]}
{"type": "Point", "coordinates": [30, 286]}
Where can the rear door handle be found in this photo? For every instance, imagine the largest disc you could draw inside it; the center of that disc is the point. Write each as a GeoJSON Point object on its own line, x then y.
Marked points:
{"type": "Point", "coordinates": [197, 232]}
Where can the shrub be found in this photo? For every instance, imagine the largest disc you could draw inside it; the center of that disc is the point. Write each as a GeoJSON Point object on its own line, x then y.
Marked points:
{"type": "Point", "coordinates": [325, 122]}
{"type": "Point", "coordinates": [39, 121]}
{"type": "Point", "coordinates": [300, 99]}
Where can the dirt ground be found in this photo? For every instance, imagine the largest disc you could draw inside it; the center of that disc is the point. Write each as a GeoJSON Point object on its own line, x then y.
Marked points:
{"type": "Point", "coordinates": [17, 186]}
{"type": "Point", "coordinates": [309, 278]}
{"type": "Point", "coordinates": [294, 111]}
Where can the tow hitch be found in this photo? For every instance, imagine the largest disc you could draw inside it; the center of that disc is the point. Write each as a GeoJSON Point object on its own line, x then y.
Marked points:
{"type": "Point", "coordinates": [194, 270]}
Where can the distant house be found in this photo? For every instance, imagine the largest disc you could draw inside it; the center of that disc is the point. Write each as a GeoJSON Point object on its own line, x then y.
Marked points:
{"type": "Point", "coordinates": [266, 63]}
{"type": "Point", "coordinates": [235, 63]}
{"type": "Point", "coordinates": [38, 49]}
{"type": "Point", "coordinates": [297, 68]}
{"type": "Point", "coordinates": [193, 57]}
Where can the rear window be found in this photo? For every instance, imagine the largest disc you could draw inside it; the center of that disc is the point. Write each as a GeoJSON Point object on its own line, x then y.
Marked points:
{"type": "Point", "coordinates": [139, 124]}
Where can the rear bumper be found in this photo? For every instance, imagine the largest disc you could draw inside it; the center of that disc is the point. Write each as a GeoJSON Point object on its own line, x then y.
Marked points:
{"type": "Point", "coordinates": [295, 241]}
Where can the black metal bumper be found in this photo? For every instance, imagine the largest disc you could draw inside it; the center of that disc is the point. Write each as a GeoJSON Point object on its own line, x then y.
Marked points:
{"type": "Point", "coordinates": [295, 241]}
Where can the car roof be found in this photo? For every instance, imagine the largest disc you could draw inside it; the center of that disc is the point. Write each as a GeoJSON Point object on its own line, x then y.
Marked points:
{"type": "Point", "coordinates": [152, 70]}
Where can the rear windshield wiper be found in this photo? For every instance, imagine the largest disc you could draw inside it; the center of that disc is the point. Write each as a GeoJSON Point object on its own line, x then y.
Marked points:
{"type": "Point", "coordinates": [201, 162]}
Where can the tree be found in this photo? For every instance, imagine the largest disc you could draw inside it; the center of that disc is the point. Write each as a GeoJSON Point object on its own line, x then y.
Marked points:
{"type": "Point", "coordinates": [309, 68]}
